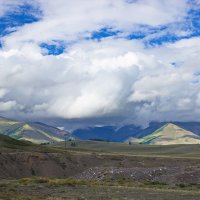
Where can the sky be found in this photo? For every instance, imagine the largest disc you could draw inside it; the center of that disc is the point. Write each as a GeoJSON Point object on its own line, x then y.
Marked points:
{"type": "Point", "coordinates": [100, 62]}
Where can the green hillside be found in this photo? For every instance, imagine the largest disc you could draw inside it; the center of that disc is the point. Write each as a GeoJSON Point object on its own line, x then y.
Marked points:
{"type": "Point", "coordinates": [167, 135]}
{"type": "Point", "coordinates": [8, 144]}
{"type": "Point", "coordinates": [6, 140]}
{"type": "Point", "coordinates": [33, 132]}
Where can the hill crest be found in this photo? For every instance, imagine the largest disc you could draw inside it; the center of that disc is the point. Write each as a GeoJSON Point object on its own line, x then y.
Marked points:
{"type": "Point", "coordinates": [33, 132]}
{"type": "Point", "coordinates": [167, 135]}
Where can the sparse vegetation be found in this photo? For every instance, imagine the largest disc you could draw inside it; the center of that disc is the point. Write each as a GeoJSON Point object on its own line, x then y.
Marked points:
{"type": "Point", "coordinates": [192, 151]}
{"type": "Point", "coordinates": [33, 180]}
{"type": "Point", "coordinates": [122, 182]}
{"type": "Point", "coordinates": [116, 169]}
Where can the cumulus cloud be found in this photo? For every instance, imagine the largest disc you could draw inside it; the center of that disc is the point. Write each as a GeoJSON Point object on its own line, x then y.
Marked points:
{"type": "Point", "coordinates": [7, 106]}
{"type": "Point", "coordinates": [107, 78]}
{"type": "Point", "coordinates": [99, 79]}
{"type": "Point", "coordinates": [3, 91]}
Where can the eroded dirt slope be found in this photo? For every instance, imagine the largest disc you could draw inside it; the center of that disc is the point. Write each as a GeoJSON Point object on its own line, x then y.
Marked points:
{"type": "Point", "coordinates": [98, 167]}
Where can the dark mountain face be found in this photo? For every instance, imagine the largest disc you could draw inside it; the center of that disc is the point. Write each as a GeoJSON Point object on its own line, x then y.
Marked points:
{"type": "Point", "coordinates": [114, 134]}
{"type": "Point", "coordinates": [108, 133]}
{"type": "Point", "coordinates": [102, 133]}
{"type": "Point", "coordinates": [153, 126]}
{"type": "Point", "coordinates": [125, 132]}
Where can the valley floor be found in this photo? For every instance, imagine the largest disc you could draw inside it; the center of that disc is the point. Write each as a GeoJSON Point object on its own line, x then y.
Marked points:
{"type": "Point", "coordinates": [96, 170]}
{"type": "Point", "coordinates": [81, 192]}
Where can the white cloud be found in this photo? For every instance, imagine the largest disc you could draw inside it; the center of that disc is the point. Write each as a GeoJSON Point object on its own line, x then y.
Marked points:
{"type": "Point", "coordinates": [3, 92]}
{"type": "Point", "coordinates": [9, 5]}
{"type": "Point", "coordinates": [99, 79]}
{"type": "Point", "coordinates": [70, 20]}
{"type": "Point", "coordinates": [184, 104]}
{"type": "Point", "coordinates": [111, 77]}
{"type": "Point", "coordinates": [7, 106]}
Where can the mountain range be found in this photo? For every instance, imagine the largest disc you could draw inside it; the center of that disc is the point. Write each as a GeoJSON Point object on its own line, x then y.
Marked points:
{"type": "Point", "coordinates": [155, 133]}
{"type": "Point", "coordinates": [116, 134]}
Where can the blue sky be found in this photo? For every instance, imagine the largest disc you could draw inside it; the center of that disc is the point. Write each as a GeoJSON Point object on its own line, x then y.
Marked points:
{"type": "Point", "coordinates": [23, 14]}
{"type": "Point", "coordinates": [27, 13]}
{"type": "Point", "coordinates": [93, 59]}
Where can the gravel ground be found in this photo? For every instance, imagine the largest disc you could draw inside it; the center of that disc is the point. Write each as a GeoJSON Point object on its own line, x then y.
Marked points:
{"type": "Point", "coordinates": [169, 175]}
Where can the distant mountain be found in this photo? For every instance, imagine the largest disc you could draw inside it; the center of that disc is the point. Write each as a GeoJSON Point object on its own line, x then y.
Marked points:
{"type": "Point", "coordinates": [41, 133]}
{"type": "Point", "coordinates": [33, 132]}
{"type": "Point", "coordinates": [107, 133]}
{"type": "Point", "coordinates": [167, 135]}
{"type": "Point", "coordinates": [115, 134]}
{"type": "Point", "coordinates": [190, 126]}
{"type": "Point", "coordinates": [102, 133]}
{"type": "Point", "coordinates": [126, 131]}
{"type": "Point", "coordinates": [153, 126]}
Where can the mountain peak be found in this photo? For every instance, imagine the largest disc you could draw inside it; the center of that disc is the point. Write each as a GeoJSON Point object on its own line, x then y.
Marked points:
{"type": "Point", "coordinates": [171, 129]}
{"type": "Point", "coordinates": [37, 133]}
{"type": "Point", "coordinates": [170, 134]}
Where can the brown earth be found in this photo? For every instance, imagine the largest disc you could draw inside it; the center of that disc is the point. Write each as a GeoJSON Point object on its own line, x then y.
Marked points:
{"type": "Point", "coordinates": [99, 167]}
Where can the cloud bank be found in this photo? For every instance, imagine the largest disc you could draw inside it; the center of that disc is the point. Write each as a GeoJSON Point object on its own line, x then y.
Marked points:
{"type": "Point", "coordinates": [101, 77]}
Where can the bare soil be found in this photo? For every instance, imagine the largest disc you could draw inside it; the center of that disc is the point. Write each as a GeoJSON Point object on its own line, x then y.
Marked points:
{"type": "Point", "coordinates": [35, 192]}
{"type": "Point", "coordinates": [99, 167]}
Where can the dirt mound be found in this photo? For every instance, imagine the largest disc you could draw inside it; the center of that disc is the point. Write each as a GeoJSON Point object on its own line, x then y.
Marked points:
{"type": "Point", "coordinates": [18, 165]}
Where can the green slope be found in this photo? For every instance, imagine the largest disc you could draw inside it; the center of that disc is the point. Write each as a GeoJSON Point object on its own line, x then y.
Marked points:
{"type": "Point", "coordinates": [8, 142]}
{"type": "Point", "coordinates": [33, 132]}
{"type": "Point", "coordinates": [11, 145]}
{"type": "Point", "coordinates": [114, 148]}
{"type": "Point", "coordinates": [167, 135]}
